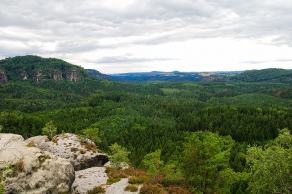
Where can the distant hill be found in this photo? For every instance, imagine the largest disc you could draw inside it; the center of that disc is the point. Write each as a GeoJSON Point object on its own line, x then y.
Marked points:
{"type": "Point", "coordinates": [265, 75]}
{"type": "Point", "coordinates": [96, 74]}
{"type": "Point", "coordinates": [268, 75]}
{"type": "Point", "coordinates": [174, 76]}
{"type": "Point", "coordinates": [34, 68]}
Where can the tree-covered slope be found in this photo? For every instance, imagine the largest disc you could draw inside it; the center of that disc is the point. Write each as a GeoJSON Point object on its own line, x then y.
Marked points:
{"type": "Point", "coordinates": [37, 69]}
{"type": "Point", "coordinates": [154, 120]}
{"type": "Point", "coordinates": [268, 75]}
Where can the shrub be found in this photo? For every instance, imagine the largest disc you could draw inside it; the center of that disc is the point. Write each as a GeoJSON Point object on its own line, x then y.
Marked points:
{"type": "Point", "coordinates": [96, 190]}
{"type": "Point", "coordinates": [115, 173]}
{"type": "Point", "coordinates": [152, 189]}
{"type": "Point", "coordinates": [131, 188]}
{"type": "Point", "coordinates": [137, 179]}
{"type": "Point", "coordinates": [153, 163]}
{"type": "Point", "coordinates": [112, 180]}
{"type": "Point", "coordinates": [93, 134]}
{"type": "Point", "coordinates": [50, 129]}
{"type": "Point", "coordinates": [119, 155]}
{"type": "Point", "coordinates": [134, 172]}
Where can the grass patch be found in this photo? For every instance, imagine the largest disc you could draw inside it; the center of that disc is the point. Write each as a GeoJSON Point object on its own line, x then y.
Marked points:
{"type": "Point", "coordinates": [112, 180]}
{"type": "Point", "coordinates": [137, 179]}
{"type": "Point", "coordinates": [131, 188]}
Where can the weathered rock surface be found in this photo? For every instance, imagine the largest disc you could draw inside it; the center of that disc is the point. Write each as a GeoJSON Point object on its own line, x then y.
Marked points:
{"type": "Point", "coordinates": [7, 139]}
{"type": "Point", "coordinates": [82, 153]}
{"type": "Point", "coordinates": [32, 171]}
{"type": "Point", "coordinates": [119, 188]}
{"type": "Point", "coordinates": [86, 180]}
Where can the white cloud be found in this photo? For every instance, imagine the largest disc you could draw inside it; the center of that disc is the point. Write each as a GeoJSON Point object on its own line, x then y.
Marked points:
{"type": "Point", "coordinates": [142, 35]}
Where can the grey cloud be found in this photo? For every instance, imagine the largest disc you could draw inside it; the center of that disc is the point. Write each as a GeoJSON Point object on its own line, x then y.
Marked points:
{"type": "Point", "coordinates": [78, 26]}
{"type": "Point", "coordinates": [266, 61]}
{"type": "Point", "coordinates": [129, 60]}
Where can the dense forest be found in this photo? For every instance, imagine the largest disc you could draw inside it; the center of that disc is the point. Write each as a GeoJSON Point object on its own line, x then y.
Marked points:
{"type": "Point", "coordinates": [208, 136]}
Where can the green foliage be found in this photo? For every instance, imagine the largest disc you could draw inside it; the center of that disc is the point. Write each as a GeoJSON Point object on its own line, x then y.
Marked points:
{"type": "Point", "coordinates": [96, 190]}
{"type": "Point", "coordinates": [112, 180]}
{"type": "Point", "coordinates": [271, 166]}
{"type": "Point", "coordinates": [271, 74]}
{"type": "Point", "coordinates": [284, 139]}
{"type": "Point", "coordinates": [172, 173]}
{"type": "Point", "coordinates": [205, 156]}
{"type": "Point", "coordinates": [153, 163]}
{"type": "Point", "coordinates": [49, 129]}
{"type": "Point", "coordinates": [93, 134]}
{"type": "Point", "coordinates": [119, 155]}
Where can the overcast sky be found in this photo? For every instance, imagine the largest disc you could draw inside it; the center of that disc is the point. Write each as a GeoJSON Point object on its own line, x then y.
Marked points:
{"type": "Point", "coordinates": [115, 36]}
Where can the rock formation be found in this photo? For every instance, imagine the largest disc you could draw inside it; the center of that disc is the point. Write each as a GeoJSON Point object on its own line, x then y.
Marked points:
{"type": "Point", "coordinates": [24, 75]}
{"type": "Point", "coordinates": [3, 77]}
{"type": "Point", "coordinates": [82, 153]}
{"type": "Point", "coordinates": [40, 166]}
{"type": "Point", "coordinates": [57, 75]}
{"type": "Point", "coordinates": [73, 76]}
{"type": "Point", "coordinates": [30, 170]}
{"type": "Point", "coordinates": [87, 179]}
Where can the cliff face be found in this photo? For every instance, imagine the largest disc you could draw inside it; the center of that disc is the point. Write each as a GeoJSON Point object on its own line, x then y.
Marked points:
{"type": "Point", "coordinates": [3, 77]}
{"type": "Point", "coordinates": [38, 69]}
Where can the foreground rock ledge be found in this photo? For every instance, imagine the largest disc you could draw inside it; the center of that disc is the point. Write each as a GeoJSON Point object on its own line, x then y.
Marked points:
{"type": "Point", "coordinates": [81, 152]}
{"type": "Point", "coordinates": [28, 169]}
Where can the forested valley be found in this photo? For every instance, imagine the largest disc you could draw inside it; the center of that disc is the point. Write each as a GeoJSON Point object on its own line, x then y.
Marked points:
{"type": "Point", "coordinates": [227, 136]}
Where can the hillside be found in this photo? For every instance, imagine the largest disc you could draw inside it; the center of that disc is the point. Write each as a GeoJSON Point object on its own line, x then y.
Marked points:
{"type": "Point", "coordinates": [96, 74]}
{"type": "Point", "coordinates": [34, 68]}
{"type": "Point", "coordinates": [265, 75]}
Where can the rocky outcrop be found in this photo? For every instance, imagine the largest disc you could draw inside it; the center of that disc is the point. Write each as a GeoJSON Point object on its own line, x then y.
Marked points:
{"type": "Point", "coordinates": [82, 153]}
{"type": "Point", "coordinates": [27, 169]}
{"type": "Point", "coordinates": [38, 69]}
{"type": "Point", "coordinates": [38, 76]}
{"type": "Point", "coordinates": [3, 77]}
{"type": "Point", "coordinates": [24, 75]}
{"type": "Point", "coordinates": [73, 76]}
{"type": "Point", "coordinates": [57, 75]}
{"type": "Point", "coordinates": [86, 180]}
{"type": "Point", "coordinates": [40, 166]}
